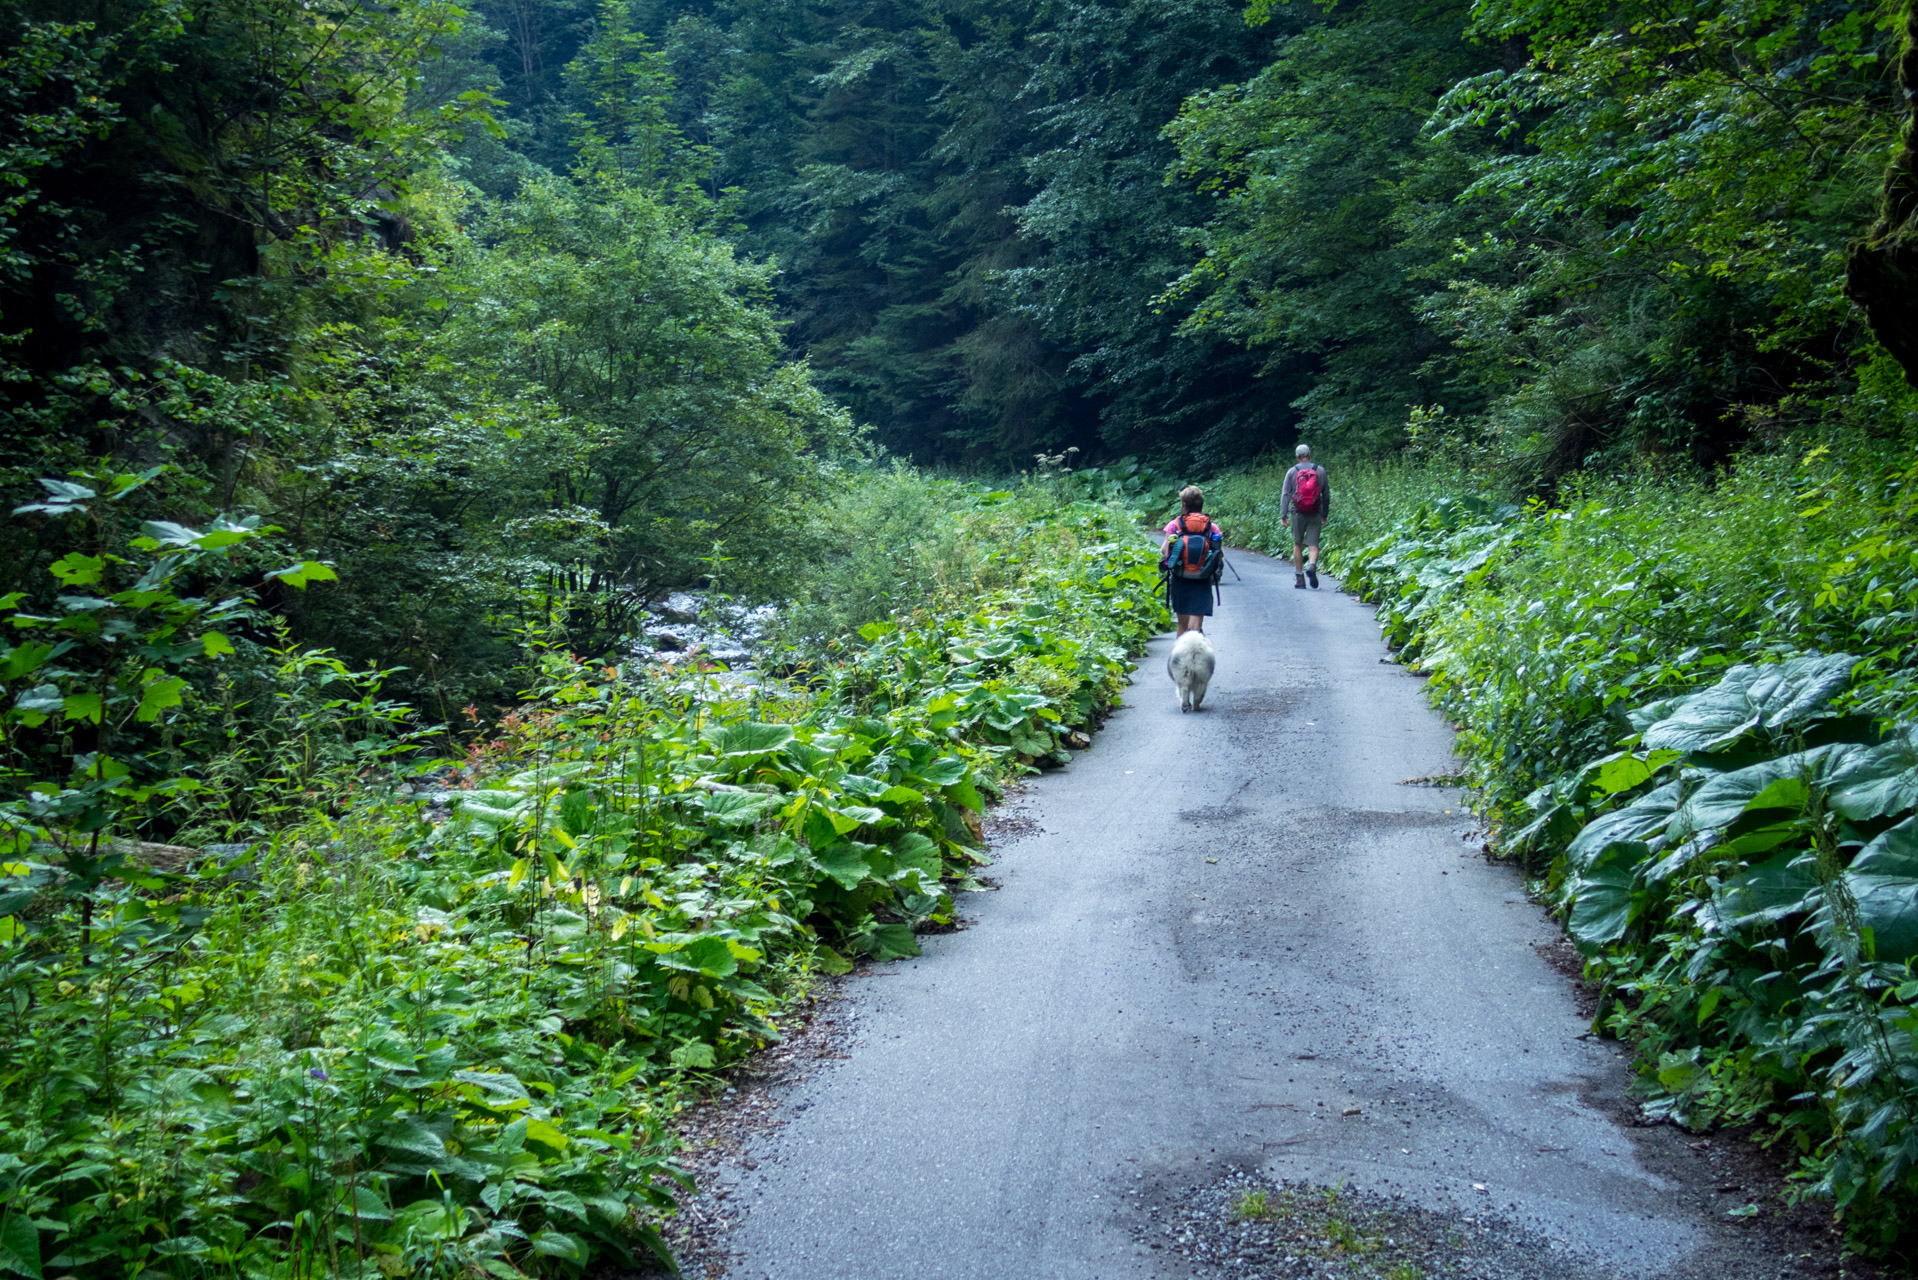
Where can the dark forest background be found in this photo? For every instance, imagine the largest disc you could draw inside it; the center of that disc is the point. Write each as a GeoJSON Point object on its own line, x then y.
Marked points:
{"type": "Point", "coordinates": [1185, 231]}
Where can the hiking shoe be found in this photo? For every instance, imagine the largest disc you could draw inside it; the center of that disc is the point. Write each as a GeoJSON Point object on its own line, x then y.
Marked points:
{"type": "Point", "coordinates": [1312, 576]}
{"type": "Point", "coordinates": [1298, 581]}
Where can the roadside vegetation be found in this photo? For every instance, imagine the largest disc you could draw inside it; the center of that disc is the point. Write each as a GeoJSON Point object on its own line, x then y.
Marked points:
{"type": "Point", "coordinates": [1689, 708]}
{"type": "Point", "coordinates": [434, 1019]}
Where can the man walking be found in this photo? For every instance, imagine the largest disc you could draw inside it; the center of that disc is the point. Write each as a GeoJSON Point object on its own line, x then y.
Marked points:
{"type": "Point", "coordinates": [1308, 498]}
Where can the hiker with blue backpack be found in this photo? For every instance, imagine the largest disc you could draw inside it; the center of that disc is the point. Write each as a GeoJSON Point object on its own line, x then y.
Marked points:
{"type": "Point", "coordinates": [1192, 560]}
{"type": "Point", "coordinates": [1308, 498]}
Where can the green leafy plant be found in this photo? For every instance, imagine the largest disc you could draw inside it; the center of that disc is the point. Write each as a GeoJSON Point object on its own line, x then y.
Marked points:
{"type": "Point", "coordinates": [445, 1030]}
{"type": "Point", "coordinates": [92, 680]}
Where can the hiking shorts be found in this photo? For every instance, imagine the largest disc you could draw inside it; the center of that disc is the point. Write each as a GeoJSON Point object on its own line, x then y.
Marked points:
{"type": "Point", "coordinates": [1305, 529]}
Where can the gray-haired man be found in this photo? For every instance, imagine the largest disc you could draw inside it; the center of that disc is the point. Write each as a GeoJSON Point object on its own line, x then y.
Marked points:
{"type": "Point", "coordinates": [1308, 499]}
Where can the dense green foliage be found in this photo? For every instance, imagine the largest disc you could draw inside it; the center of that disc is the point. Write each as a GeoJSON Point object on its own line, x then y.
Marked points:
{"type": "Point", "coordinates": [1590, 232]}
{"type": "Point", "coordinates": [1585, 232]}
{"type": "Point", "coordinates": [435, 1034]}
{"type": "Point", "coordinates": [480, 412]}
{"type": "Point", "coordinates": [967, 202]}
{"type": "Point", "coordinates": [1881, 269]}
{"type": "Point", "coordinates": [1690, 709]}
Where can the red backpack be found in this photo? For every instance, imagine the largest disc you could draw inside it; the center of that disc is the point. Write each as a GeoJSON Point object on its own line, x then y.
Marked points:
{"type": "Point", "coordinates": [1305, 493]}
{"type": "Point", "coordinates": [1196, 552]}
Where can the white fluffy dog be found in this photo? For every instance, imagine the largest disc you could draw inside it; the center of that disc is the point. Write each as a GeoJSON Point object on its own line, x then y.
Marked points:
{"type": "Point", "coordinates": [1190, 667]}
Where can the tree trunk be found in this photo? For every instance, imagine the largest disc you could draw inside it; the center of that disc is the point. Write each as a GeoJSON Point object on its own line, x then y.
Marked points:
{"type": "Point", "coordinates": [1882, 273]}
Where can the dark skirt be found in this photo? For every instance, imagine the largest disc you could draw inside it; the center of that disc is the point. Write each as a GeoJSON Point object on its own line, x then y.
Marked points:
{"type": "Point", "coordinates": [1191, 597]}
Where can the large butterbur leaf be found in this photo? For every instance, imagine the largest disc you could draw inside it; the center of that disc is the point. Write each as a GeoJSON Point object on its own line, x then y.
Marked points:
{"type": "Point", "coordinates": [1638, 821]}
{"type": "Point", "coordinates": [1775, 698]}
{"type": "Point", "coordinates": [805, 757]}
{"type": "Point", "coordinates": [1781, 784]}
{"type": "Point", "coordinates": [916, 852]}
{"type": "Point", "coordinates": [1643, 718]}
{"type": "Point", "coordinates": [943, 772]}
{"type": "Point", "coordinates": [736, 808]}
{"type": "Point", "coordinates": [860, 815]}
{"type": "Point", "coordinates": [1005, 719]}
{"type": "Point", "coordinates": [893, 942]}
{"type": "Point", "coordinates": [1767, 893]}
{"type": "Point", "coordinates": [704, 953]}
{"type": "Point", "coordinates": [1880, 781]}
{"type": "Point", "coordinates": [845, 863]}
{"type": "Point", "coordinates": [1894, 852]}
{"type": "Point", "coordinates": [858, 784]}
{"type": "Point", "coordinates": [1601, 905]}
{"type": "Point", "coordinates": [1884, 881]}
{"type": "Point", "coordinates": [751, 738]}
{"type": "Point", "coordinates": [486, 816]}
{"type": "Point", "coordinates": [711, 956]}
{"type": "Point", "coordinates": [1888, 906]}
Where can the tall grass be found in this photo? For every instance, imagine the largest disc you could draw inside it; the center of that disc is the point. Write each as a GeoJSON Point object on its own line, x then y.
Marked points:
{"type": "Point", "coordinates": [1369, 498]}
{"type": "Point", "coordinates": [893, 541]}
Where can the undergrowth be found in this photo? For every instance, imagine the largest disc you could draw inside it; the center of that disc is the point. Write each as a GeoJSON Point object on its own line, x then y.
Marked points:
{"type": "Point", "coordinates": [1691, 710]}
{"type": "Point", "coordinates": [441, 1031]}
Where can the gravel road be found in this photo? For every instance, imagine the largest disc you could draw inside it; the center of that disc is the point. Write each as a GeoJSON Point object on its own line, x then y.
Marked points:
{"type": "Point", "coordinates": [1226, 945]}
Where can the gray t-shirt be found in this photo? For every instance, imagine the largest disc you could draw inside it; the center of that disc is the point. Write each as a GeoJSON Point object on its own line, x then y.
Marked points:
{"type": "Point", "coordinates": [1288, 507]}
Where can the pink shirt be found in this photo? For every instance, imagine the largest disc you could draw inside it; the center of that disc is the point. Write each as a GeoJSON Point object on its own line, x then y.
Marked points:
{"type": "Point", "coordinates": [1172, 528]}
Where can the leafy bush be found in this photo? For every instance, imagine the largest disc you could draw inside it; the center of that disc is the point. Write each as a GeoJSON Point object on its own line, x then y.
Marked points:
{"type": "Point", "coordinates": [892, 541]}
{"type": "Point", "coordinates": [443, 1034]}
{"type": "Point", "coordinates": [888, 541]}
{"type": "Point", "coordinates": [1744, 875]}
{"type": "Point", "coordinates": [1657, 694]}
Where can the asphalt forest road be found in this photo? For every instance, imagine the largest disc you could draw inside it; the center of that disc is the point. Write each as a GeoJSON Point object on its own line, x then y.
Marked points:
{"type": "Point", "coordinates": [1220, 933]}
